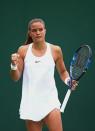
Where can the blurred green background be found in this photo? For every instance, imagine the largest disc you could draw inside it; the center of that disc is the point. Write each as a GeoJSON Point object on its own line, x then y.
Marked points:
{"type": "Point", "coordinates": [69, 24]}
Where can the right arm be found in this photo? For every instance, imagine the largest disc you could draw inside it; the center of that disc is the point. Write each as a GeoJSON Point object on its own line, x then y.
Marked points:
{"type": "Point", "coordinates": [17, 60]}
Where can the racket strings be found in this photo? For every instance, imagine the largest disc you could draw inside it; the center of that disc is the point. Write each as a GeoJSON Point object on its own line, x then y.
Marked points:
{"type": "Point", "coordinates": [79, 63]}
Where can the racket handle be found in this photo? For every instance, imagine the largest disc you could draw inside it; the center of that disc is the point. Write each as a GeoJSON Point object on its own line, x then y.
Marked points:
{"type": "Point", "coordinates": [65, 100]}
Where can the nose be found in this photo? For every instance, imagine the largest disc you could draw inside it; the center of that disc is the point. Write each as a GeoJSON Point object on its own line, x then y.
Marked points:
{"type": "Point", "coordinates": [38, 32]}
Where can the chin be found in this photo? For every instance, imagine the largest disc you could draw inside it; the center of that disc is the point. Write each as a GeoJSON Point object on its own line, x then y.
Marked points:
{"type": "Point", "coordinates": [39, 40]}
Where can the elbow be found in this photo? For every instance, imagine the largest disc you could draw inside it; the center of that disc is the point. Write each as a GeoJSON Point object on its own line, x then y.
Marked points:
{"type": "Point", "coordinates": [15, 76]}
{"type": "Point", "coordinates": [15, 79]}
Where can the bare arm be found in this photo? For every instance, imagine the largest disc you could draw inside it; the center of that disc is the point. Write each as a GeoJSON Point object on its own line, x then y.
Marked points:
{"type": "Point", "coordinates": [17, 60]}
{"type": "Point", "coordinates": [58, 57]}
{"type": "Point", "coordinates": [61, 67]}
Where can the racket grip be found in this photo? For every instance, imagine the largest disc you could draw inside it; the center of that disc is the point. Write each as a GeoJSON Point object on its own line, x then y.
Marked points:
{"type": "Point", "coordinates": [65, 100]}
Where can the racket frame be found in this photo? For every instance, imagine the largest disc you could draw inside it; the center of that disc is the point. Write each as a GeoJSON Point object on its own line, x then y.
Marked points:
{"type": "Point", "coordinates": [66, 98]}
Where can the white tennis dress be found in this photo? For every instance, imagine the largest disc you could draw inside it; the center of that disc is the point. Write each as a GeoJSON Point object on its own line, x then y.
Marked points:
{"type": "Point", "coordinates": [39, 92]}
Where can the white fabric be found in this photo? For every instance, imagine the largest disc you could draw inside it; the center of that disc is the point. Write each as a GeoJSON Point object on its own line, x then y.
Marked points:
{"type": "Point", "coordinates": [39, 92]}
{"type": "Point", "coordinates": [13, 67]}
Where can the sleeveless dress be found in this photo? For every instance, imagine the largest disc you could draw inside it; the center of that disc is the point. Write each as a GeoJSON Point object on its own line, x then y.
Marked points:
{"type": "Point", "coordinates": [39, 92]}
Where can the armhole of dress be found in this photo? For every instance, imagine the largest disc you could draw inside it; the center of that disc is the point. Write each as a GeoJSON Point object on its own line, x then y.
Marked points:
{"type": "Point", "coordinates": [28, 50]}
{"type": "Point", "coordinates": [51, 53]}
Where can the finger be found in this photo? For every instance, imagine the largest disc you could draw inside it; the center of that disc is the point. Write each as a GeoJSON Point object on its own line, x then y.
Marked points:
{"type": "Point", "coordinates": [15, 56]}
{"type": "Point", "coordinates": [74, 86]}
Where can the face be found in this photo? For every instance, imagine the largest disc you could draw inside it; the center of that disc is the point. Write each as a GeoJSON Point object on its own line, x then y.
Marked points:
{"type": "Point", "coordinates": [37, 32]}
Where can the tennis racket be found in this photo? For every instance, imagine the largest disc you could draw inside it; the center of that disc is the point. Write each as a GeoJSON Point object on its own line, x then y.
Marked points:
{"type": "Point", "coordinates": [78, 67]}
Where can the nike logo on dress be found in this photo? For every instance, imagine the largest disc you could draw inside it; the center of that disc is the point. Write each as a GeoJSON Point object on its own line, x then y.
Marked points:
{"type": "Point", "coordinates": [37, 61]}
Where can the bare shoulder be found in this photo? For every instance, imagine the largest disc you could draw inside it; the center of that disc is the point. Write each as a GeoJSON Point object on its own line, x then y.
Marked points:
{"type": "Point", "coordinates": [56, 51]}
{"type": "Point", "coordinates": [22, 50]}
{"type": "Point", "coordinates": [55, 48]}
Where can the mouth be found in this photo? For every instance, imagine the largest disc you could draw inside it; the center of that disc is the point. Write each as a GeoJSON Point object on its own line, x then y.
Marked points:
{"type": "Point", "coordinates": [38, 37]}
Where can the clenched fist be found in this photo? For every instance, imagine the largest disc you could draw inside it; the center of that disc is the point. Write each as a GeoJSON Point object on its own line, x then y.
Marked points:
{"type": "Point", "coordinates": [15, 58]}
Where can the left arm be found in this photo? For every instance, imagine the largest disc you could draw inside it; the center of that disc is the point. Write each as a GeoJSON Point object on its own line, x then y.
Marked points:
{"type": "Point", "coordinates": [58, 57]}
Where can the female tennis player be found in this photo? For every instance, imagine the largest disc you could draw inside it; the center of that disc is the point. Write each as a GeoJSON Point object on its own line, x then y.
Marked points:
{"type": "Point", "coordinates": [36, 60]}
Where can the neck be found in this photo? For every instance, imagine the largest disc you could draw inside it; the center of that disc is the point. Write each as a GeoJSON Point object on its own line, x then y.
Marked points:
{"type": "Point", "coordinates": [40, 45]}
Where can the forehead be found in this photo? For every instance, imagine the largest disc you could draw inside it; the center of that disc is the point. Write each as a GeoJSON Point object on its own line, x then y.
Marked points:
{"type": "Point", "coordinates": [37, 25]}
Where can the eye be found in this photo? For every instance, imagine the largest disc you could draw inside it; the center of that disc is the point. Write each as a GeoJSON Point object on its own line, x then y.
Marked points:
{"type": "Point", "coordinates": [34, 30]}
{"type": "Point", "coordinates": [41, 29]}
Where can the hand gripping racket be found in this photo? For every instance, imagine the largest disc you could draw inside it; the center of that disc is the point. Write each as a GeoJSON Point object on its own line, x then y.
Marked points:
{"type": "Point", "coordinates": [78, 67]}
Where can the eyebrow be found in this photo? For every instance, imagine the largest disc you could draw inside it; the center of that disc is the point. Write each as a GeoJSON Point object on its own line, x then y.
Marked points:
{"type": "Point", "coordinates": [40, 29]}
